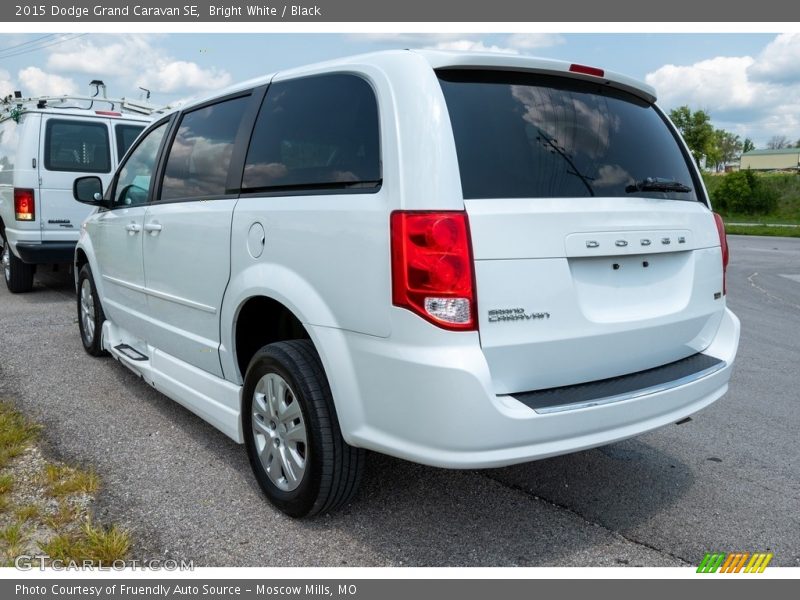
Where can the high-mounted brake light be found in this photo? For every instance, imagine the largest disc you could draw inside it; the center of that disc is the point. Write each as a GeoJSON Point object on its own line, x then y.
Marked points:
{"type": "Point", "coordinates": [107, 113]}
{"type": "Point", "coordinates": [723, 243]}
{"type": "Point", "coordinates": [594, 71]}
{"type": "Point", "coordinates": [432, 272]}
{"type": "Point", "coordinates": [24, 206]}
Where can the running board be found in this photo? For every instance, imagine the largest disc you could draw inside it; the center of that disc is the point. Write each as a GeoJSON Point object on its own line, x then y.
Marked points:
{"type": "Point", "coordinates": [130, 352]}
{"type": "Point", "coordinates": [625, 387]}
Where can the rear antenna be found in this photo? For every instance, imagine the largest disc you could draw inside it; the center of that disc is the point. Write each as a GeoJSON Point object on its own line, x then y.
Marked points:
{"type": "Point", "coordinates": [98, 85]}
{"type": "Point", "coordinates": [147, 93]}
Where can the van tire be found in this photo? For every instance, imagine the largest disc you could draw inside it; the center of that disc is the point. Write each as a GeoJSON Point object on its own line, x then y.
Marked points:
{"type": "Point", "coordinates": [90, 314]}
{"type": "Point", "coordinates": [331, 468]}
{"type": "Point", "coordinates": [18, 275]}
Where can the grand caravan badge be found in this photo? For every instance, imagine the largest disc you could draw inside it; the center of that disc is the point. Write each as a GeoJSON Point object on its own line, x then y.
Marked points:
{"type": "Point", "coordinates": [515, 314]}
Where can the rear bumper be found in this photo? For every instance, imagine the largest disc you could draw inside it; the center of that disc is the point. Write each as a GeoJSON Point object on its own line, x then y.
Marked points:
{"type": "Point", "coordinates": [38, 253]}
{"type": "Point", "coordinates": [434, 404]}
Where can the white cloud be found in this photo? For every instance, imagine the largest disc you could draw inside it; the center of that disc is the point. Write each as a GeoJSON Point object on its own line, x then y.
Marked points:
{"type": "Point", "coordinates": [6, 85]}
{"type": "Point", "coordinates": [35, 82]}
{"type": "Point", "coordinates": [472, 46]}
{"type": "Point", "coordinates": [757, 97]}
{"type": "Point", "coordinates": [530, 41]}
{"type": "Point", "coordinates": [719, 82]}
{"type": "Point", "coordinates": [138, 59]}
{"type": "Point", "coordinates": [170, 76]}
{"type": "Point", "coordinates": [779, 61]}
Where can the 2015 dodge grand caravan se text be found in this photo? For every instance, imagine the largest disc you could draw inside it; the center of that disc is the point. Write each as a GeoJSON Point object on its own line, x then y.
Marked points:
{"type": "Point", "coordinates": [462, 260]}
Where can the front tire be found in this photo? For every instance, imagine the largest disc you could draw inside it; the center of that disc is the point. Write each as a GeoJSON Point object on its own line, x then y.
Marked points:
{"type": "Point", "coordinates": [292, 434]}
{"type": "Point", "coordinates": [18, 275]}
{"type": "Point", "coordinates": [90, 313]}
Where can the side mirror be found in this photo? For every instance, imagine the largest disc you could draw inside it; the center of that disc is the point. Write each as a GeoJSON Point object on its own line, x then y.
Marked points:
{"type": "Point", "coordinates": [88, 190]}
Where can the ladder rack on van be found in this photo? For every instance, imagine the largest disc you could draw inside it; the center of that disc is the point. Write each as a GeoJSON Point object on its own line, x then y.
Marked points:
{"type": "Point", "coordinates": [13, 106]}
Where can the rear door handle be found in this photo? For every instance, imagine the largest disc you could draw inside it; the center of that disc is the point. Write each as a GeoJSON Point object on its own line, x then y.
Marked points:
{"type": "Point", "coordinates": [133, 228]}
{"type": "Point", "coordinates": [153, 228]}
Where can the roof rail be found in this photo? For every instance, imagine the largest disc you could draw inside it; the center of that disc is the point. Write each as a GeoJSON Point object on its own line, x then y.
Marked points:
{"type": "Point", "coordinates": [14, 105]}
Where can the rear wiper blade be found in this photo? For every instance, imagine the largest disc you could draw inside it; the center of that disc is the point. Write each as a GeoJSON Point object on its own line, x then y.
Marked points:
{"type": "Point", "coordinates": [658, 184]}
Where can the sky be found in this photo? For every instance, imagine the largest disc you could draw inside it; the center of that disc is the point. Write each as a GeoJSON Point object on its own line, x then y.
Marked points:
{"type": "Point", "coordinates": [748, 83]}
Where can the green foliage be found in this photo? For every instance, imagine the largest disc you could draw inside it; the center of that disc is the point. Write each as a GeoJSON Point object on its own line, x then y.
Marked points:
{"type": "Point", "coordinates": [744, 193]}
{"type": "Point", "coordinates": [748, 145]}
{"type": "Point", "coordinates": [696, 129]}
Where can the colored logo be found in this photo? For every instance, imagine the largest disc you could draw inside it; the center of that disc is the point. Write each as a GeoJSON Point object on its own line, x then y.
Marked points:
{"type": "Point", "coordinates": [734, 562]}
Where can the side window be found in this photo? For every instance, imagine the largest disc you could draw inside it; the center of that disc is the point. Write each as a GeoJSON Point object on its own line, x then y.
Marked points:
{"type": "Point", "coordinates": [76, 146]}
{"type": "Point", "coordinates": [318, 132]}
{"type": "Point", "coordinates": [201, 152]}
{"type": "Point", "coordinates": [126, 134]}
{"type": "Point", "coordinates": [134, 178]}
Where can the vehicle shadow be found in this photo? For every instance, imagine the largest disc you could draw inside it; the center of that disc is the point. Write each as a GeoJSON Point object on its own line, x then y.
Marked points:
{"type": "Point", "coordinates": [540, 513]}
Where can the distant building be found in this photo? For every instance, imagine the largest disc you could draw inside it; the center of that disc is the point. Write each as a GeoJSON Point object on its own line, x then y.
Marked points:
{"type": "Point", "coordinates": [771, 160]}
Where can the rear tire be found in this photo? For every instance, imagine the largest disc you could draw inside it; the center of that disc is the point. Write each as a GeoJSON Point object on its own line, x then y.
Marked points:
{"type": "Point", "coordinates": [90, 314]}
{"type": "Point", "coordinates": [18, 275]}
{"type": "Point", "coordinates": [292, 435]}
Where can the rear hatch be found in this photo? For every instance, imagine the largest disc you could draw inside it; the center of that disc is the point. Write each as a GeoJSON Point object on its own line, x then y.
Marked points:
{"type": "Point", "coordinates": [595, 253]}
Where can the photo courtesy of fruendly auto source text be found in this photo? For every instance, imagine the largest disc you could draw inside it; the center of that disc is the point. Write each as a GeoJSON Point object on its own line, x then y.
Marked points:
{"type": "Point", "coordinates": [371, 300]}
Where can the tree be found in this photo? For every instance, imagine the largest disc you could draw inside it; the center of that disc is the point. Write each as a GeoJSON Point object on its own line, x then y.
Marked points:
{"type": "Point", "coordinates": [776, 142]}
{"type": "Point", "coordinates": [729, 146]}
{"type": "Point", "coordinates": [797, 144]}
{"type": "Point", "coordinates": [696, 129]}
{"type": "Point", "coordinates": [748, 145]}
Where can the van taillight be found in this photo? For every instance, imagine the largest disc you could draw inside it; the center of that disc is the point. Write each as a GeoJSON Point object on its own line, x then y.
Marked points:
{"type": "Point", "coordinates": [24, 207]}
{"type": "Point", "coordinates": [432, 271]}
{"type": "Point", "coordinates": [723, 243]}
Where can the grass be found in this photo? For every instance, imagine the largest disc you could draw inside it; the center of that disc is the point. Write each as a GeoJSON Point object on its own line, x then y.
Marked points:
{"type": "Point", "coordinates": [101, 546]}
{"type": "Point", "coordinates": [16, 433]}
{"type": "Point", "coordinates": [27, 510]}
{"type": "Point", "coordinates": [63, 481]}
{"type": "Point", "coordinates": [734, 229]}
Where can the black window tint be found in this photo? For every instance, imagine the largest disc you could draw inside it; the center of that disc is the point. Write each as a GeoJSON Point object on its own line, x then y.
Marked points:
{"type": "Point", "coordinates": [526, 136]}
{"type": "Point", "coordinates": [126, 134]}
{"type": "Point", "coordinates": [201, 151]}
{"type": "Point", "coordinates": [79, 146]}
{"type": "Point", "coordinates": [133, 182]}
{"type": "Point", "coordinates": [316, 132]}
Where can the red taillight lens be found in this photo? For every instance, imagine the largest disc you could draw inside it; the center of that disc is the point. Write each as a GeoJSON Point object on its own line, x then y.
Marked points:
{"type": "Point", "coordinates": [24, 207]}
{"type": "Point", "coordinates": [594, 71]}
{"type": "Point", "coordinates": [432, 272]}
{"type": "Point", "coordinates": [723, 243]}
{"type": "Point", "coordinates": [107, 113]}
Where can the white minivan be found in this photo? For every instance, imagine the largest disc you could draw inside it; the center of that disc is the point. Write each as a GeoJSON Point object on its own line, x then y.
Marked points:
{"type": "Point", "coordinates": [462, 260]}
{"type": "Point", "coordinates": [45, 143]}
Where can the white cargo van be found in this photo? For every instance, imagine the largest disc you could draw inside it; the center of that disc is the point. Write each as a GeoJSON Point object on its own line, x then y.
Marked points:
{"type": "Point", "coordinates": [44, 144]}
{"type": "Point", "coordinates": [462, 260]}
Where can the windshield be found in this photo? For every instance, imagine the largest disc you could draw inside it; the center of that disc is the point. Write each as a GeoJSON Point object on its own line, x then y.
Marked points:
{"type": "Point", "coordinates": [519, 135]}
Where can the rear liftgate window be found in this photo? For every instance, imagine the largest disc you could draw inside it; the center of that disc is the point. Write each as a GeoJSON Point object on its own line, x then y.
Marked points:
{"type": "Point", "coordinates": [533, 136]}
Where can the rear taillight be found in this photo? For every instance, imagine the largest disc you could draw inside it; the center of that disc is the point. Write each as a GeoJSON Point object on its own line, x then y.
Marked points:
{"type": "Point", "coordinates": [432, 272]}
{"type": "Point", "coordinates": [24, 207]}
{"type": "Point", "coordinates": [723, 243]}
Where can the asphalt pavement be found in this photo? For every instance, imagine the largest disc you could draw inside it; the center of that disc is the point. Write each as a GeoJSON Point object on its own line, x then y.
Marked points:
{"type": "Point", "coordinates": [729, 480]}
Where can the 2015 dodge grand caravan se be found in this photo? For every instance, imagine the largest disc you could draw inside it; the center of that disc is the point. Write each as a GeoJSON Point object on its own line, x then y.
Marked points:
{"type": "Point", "coordinates": [461, 260]}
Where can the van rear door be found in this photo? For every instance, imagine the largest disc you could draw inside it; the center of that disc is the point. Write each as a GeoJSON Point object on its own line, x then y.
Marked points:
{"type": "Point", "coordinates": [596, 254]}
{"type": "Point", "coordinates": [71, 147]}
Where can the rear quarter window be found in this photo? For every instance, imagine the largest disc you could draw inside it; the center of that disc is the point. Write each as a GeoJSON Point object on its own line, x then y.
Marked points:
{"type": "Point", "coordinates": [316, 133]}
{"type": "Point", "coordinates": [534, 136]}
{"type": "Point", "coordinates": [79, 146]}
